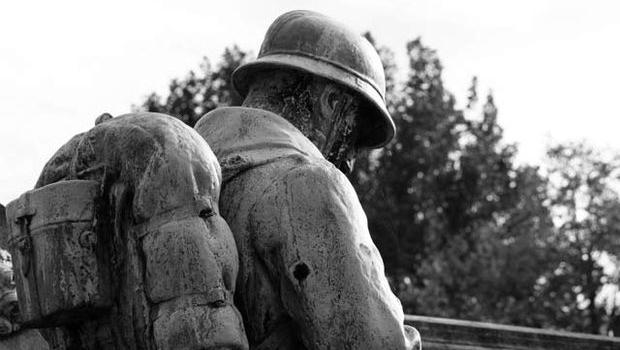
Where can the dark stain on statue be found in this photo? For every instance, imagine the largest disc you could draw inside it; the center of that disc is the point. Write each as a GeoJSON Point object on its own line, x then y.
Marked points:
{"type": "Point", "coordinates": [301, 271]}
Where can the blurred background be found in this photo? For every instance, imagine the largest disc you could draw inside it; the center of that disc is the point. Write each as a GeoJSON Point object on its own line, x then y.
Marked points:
{"type": "Point", "coordinates": [497, 200]}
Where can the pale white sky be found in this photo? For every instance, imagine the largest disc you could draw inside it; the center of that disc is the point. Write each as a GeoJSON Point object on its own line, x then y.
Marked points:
{"type": "Point", "coordinates": [553, 65]}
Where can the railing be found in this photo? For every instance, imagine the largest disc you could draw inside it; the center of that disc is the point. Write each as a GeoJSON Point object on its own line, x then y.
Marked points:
{"type": "Point", "coordinates": [449, 334]}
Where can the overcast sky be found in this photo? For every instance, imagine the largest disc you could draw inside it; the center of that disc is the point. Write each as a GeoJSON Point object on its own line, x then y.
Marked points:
{"type": "Point", "coordinates": [553, 65]}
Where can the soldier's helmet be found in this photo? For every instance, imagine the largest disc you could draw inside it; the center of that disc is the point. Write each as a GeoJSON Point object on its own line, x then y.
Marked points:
{"type": "Point", "coordinates": [316, 44]}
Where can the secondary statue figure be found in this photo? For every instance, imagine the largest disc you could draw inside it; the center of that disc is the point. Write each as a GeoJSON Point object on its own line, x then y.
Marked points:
{"type": "Point", "coordinates": [309, 275]}
{"type": "Point", "coordinates": [121, 245]}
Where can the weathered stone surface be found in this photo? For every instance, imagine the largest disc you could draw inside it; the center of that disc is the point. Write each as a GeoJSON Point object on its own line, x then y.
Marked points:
{"type": "Point", "coordinates": [53, 227]}
{"type": "Point", "coordinates": [170, 257]}
{"type": "Point", "coordinates": [310, 275]}
{"type": "Point", "coordinates": [450, 334]}
{"type": "Point", "coordinates": [28, 339]}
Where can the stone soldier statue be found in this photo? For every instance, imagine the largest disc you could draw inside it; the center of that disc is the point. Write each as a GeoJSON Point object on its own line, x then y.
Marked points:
{"type": "Point", "coordinates": [310, 275]}
{"type": "Point", "coordinates": [159, 272]}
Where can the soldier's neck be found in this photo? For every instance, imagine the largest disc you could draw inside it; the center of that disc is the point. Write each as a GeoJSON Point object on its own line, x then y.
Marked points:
{"type": "Point", "coordinates": [266, 102]}
{"type": "Point", "coordinates": [279, 95]}
{"type": "Point", "coordinates": [294, 98]}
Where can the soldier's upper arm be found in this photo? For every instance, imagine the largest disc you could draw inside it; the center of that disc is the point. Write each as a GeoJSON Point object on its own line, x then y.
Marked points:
{"type": "Point", "coordinates": [315, 238]}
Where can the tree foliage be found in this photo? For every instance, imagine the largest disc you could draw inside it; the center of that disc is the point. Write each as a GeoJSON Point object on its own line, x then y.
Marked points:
{"type": "Point", "coordinates": [448, 208]}
{"type": "Point", "coordinates": [586, 209]}
{"type": "Point", "coordinates": [200, 92]}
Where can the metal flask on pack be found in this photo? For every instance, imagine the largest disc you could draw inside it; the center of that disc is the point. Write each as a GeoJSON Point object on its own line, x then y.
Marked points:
{"type": "Point", "coordinates": [58, 256]}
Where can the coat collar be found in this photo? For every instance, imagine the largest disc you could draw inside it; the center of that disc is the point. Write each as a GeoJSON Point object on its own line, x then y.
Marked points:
{"type": "Point", "coordinates": [243, 138]}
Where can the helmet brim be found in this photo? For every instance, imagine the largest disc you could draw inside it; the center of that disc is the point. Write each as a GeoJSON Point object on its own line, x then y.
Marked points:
{"type": "Point", "coordinates": [379, 121]}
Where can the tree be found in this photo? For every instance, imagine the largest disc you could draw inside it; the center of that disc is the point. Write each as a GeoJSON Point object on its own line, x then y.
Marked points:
{"type": "Point", "coordinates": [449, 210]}
{"type": "Point", "coordinates": [198, 93]}
{"type": "Point", "coordinates": [586, 209]}
{"type": "Point", "coordinates": [398, 188]}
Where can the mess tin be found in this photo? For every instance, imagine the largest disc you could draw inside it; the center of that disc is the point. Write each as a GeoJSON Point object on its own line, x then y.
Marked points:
{"type": "Point", "coordinates": [58, 258]}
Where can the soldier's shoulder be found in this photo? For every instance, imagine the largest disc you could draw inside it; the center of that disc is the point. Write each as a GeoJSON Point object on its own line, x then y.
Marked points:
{"type": "Point", "coordinates": [319, 174]}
